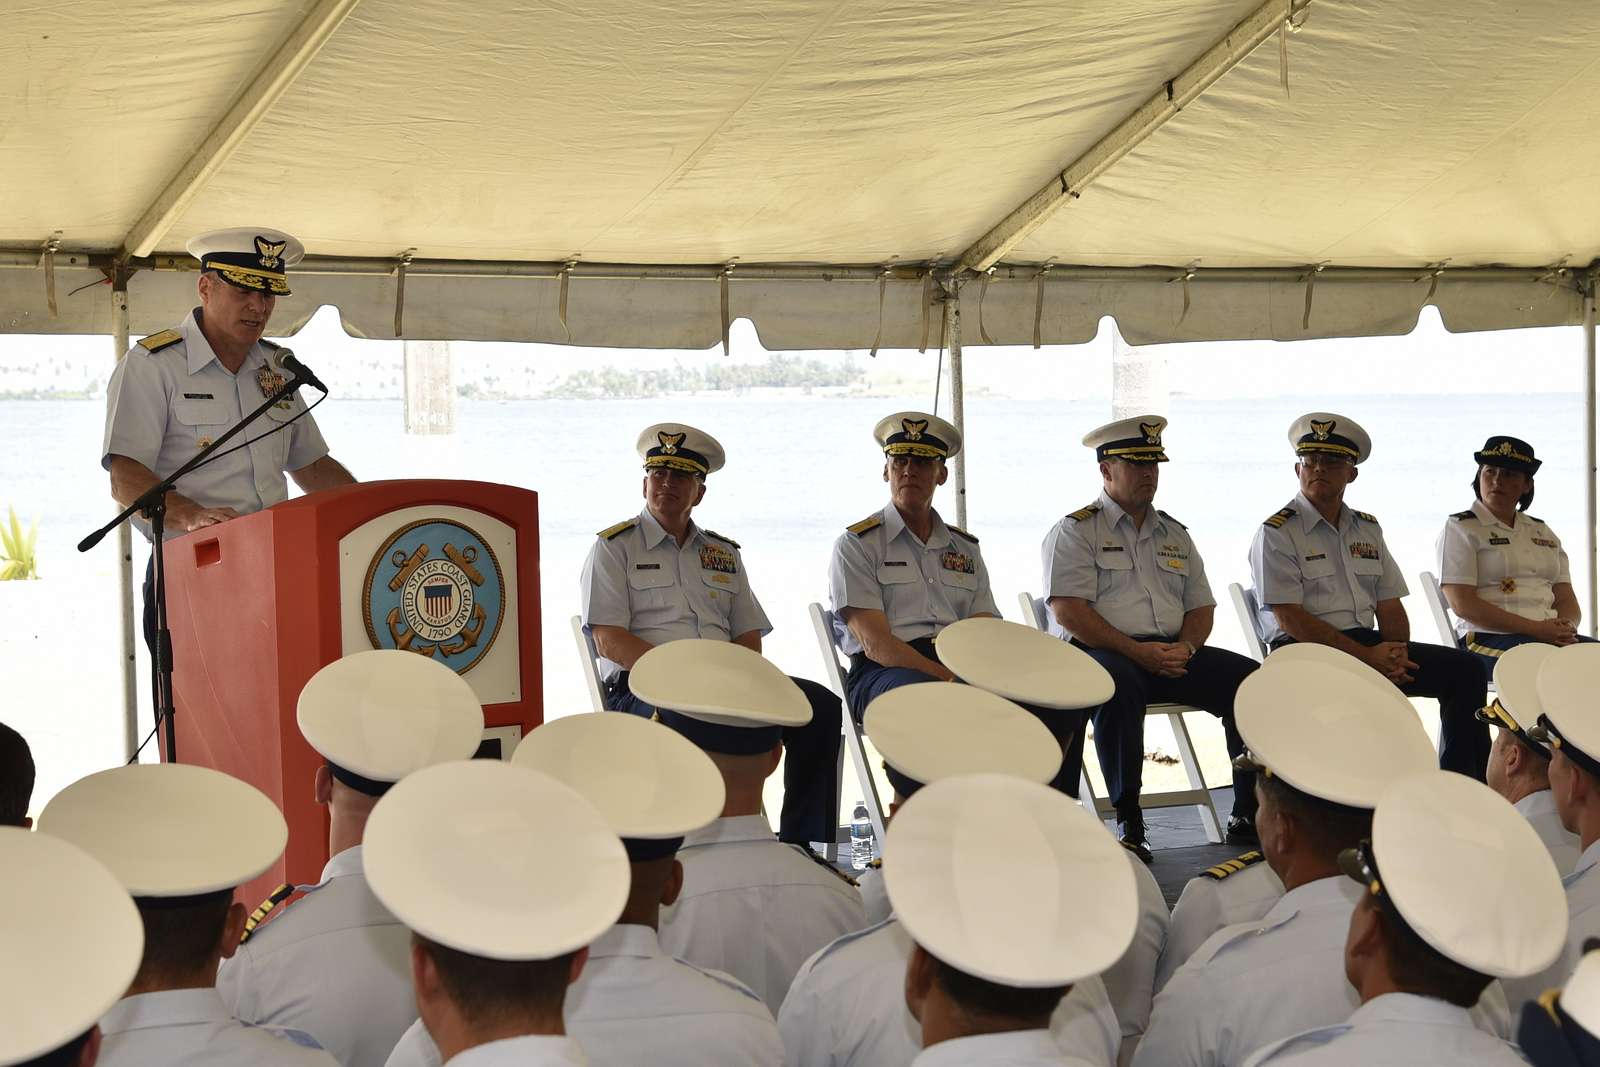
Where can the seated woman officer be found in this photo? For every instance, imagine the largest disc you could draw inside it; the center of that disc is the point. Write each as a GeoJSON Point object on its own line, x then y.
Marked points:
{"type": "Point", "coordinates": [1503, 571]}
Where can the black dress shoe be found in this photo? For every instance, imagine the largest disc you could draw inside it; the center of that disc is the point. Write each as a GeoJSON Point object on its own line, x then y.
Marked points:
{"type": "Point", "coordinates": [1242, 831]}
{"type": "Point", "coordinates": [1132, 839]}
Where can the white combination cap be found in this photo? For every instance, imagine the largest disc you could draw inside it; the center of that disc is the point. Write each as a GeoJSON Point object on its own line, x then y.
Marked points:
{"type": "Point", "coordinates": [252, 257]}
{"type": "Point", "coordinates": [1467, 872]}
{"type": "Point", "coordinates": [1023, 664]}
{"type": "Point", "coordinates": [722, 696]}
{"type": "Point", "coordinates": [649, 782]}
{"type": "Point", "coordinates": [1516, 705]}
{"type": "Point", "coordinates": [1311, 652]}
{"type": "Point", "coordinates": [1009, 881]}
{"type": "Point", "coordinates": [929, 731]}
{"type": "Point", "coordinates": [679, 447]}
{"type": "Point", "coordinates": [72, 943]}
{"type": "Point", "coordinates": [382, 714]}
{"type": "Point", "coordinates": [1329, 732]}
{"type": "Point", "coordinates": [170, 829]}
{"type": "Point", "coordinates": [1136, 440]}
{"type": "Point", "coordinates": [1580, 997]}
{"type": "Point", "coordinates": [1567, 684]}
{"type": "Point", "coordinates": [917, 433]}
{"type": "Point", "coordinates": [1324, 431]}
{"type": "Point", "coordinates": [496, 861]}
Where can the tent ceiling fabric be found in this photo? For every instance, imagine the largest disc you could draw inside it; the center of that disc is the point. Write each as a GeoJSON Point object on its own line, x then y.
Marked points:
{"type": "Point", "coordinates": [819, 132]}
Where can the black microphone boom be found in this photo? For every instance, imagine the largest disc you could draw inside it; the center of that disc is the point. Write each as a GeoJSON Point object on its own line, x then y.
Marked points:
{"type": "Point", "coordinates": [301, 372]}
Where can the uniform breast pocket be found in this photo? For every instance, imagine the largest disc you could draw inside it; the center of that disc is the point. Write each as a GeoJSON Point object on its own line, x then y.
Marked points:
{"type": "Point", "coordinates": [1315, 571]}
{"type": "Point", "coordinates": [959, 580]}
{"type": "Point", "coordinates": [722, 582]}
{"type": "Point", "coordinates": [201, 412]}
{"type": "Point", "coordinates": [1113, 561]}
{"type": "Point", "coordinates": [893, 573]}
{"type": "Point", "coordinates": [650, 587]}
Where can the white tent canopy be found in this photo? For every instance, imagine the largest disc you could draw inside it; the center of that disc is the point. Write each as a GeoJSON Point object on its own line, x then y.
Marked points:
{"type": "Point", "coordinates": [1306, 183]}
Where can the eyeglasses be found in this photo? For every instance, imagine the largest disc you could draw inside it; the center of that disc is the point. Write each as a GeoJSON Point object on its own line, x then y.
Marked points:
{"type": "Point", "coordinates": [1325, 461]}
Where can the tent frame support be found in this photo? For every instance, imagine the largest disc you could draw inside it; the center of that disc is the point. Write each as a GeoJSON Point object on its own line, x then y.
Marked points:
{"type": "Point", "coordinates": [958, 390]}
{"type": "Point", "coordinates": [130, 675]}
{"type": "Point", "coordinates": [1172, 97]}
{"type": "Point", "coordinates": [1591, 534]}
{"type": "Point", "coordinates": [249, 108]}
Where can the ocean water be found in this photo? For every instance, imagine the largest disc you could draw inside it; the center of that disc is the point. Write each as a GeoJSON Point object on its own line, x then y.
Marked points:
{"type": "Point", "coordinates": [801, 468]}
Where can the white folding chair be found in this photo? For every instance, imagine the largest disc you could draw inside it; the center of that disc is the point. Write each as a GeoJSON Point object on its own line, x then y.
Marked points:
{"type": "Point", "coordinates": [1246, 607]}
{"type": "Point", "coordinates": [589, 657]}
{"type": "Point", "coordinates": [1197, 795]}
{"type": "Point", "coordinates": [822, 624]}
{"type": "Point", "coordinates": [1439, 608]}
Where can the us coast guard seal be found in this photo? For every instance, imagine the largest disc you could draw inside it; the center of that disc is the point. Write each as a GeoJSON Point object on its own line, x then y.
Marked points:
{"type": "Point", "coordinates": [435, 588]}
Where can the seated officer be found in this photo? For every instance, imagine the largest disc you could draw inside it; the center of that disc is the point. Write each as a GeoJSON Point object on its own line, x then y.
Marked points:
{"type": "Point", "coordinates": [1323, 573]}
{"type": "Point", "coordinates": [1126, 582]}
{"type": "Point", "coordinates": [504, 876]}
{"type": "Point", "coordinates": [1562, 1028]}
{"type": "Point", "coordinates": [751, 905]}
{"type": "Point", "coordinates": [1505, 573]}
{"type": "Point", "coordinates": [847, 1004]}
{"type": "Point", "coordinates": [72, 942]}
{"type": "Point", "coordinates": [1519, 766]}
{"type": "Point", "coordinates": [1458, 893]}
{"type": "Point", "coordinates": [181, 839]}
{"type": "Point", "coordinates": [658, 577]}
{"type": "Point", "coordinates": [335, 963]}
{"type": "Point", "coordinates": [1011, 894]}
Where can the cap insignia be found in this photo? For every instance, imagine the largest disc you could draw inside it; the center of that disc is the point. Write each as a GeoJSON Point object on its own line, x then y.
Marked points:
{"type": "Point", "coordinates": [670, 441]}
{"type": "Point", "coordinates": [914, 428]}
{"type": "Point", "coordinates": [1321, 430]}
{"type": "Point", "coordinates": [1151, 431]}
{"type": "Point", "coordinates": [269, 252]}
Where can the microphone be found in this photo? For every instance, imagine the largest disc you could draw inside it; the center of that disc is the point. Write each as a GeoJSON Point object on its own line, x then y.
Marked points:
{"type": "Point", "coordinates": [301, 372]}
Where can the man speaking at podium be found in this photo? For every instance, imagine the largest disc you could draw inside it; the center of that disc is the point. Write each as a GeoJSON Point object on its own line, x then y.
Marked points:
{"type": "Point", "coordinates": [178, 390]}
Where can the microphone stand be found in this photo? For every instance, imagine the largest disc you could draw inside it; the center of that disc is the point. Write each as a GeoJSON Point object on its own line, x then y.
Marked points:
{"type": "Point", "coordinates": [152, 504]}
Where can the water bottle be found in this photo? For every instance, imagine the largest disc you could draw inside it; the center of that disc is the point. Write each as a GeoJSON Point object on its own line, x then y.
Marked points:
{"type": "Point", "coordinates": [860, 837]}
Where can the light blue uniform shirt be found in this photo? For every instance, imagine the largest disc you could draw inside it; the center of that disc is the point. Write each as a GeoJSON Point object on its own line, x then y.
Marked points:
{"type": "Point", "coordinates": [1395, 1030]}
{"type": "Point", "coordinates": [639, 579]}
{"type": "Point", "coordinates": [847, 1008]}
{"type": "Point", "coordinates": [163, 407]}
{"type": "Point", "coordinates": [921, 587]}
{"type": "Point", "coordinates": [1206, 905]}
{"type": "Point", "coordinates": [1142, 581]}
{"type": "Point", "coordinates": [635, 1004]}
{"type": "Point", "coordinates": [335, 964]}
{"type": "Point", "coordinates": [1338, 574]}
{"type": "Point", "coordinates": [1015, 1048]}
{"type": "Point", "coordinates": [192, 1028]}
{"type": "Point", "coordinates": [534, 1050]}
{"type": "Point", "coordinates": [1539, 808]}
{"type": "Point", "coordinates": [1583, 922]}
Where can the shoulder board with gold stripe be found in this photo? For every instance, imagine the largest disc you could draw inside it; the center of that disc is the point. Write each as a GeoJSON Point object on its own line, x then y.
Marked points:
{"type": "Point", "coordinates": [963, 533]}
{"type": "Point", "coordinates": [1084, 513]}
{"type": "Point", "coordinates": [1170, 519]}
{"type": "Point", "coordinates": [824, 864]}
{"type": "Point", "coordinates": [1277, 520]}
{"type": "Point", "coordinates": [1233, 866]}
{"type": "Point", "coordinates": [871, 522]}
{"type": "Point", "coordinates": [157, 341]}
{"type": "Point", "coordinates": [278, 896]}
{"type": "Point", "coordinates": [1530, 518]}
{"type": "Point", "coordinates": [618, 530]}
{"type": "Point", "coordinates": [1462, 515]}
{"type": "Point", "coordinates": [1365, 516]}
{"type": "Point", "coordinates": [721, 537]}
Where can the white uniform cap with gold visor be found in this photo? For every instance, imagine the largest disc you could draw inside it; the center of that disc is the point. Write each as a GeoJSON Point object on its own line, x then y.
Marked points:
{"type": "Point", "coordinates": [1023, 664]}
{"type": "Point", "coordinates": [70, 943]}
{"type": "Point", "coordinates": [1516, 705]}
{"type": "Point", "coordinates": [1466, 872]}
{"type": "Point", "coordinates": [678, 447]}
{"type": "Point", "coordinates": [1329, 434]}
{"type": "Point", "coordinates": [252, 258]}
{"type": "Point", "coordinates": [1569, 719]}
{"type": "Point", "coordinates": [917, 433]}
{"type": "Point", "coordinates": [170, 829]}
{"type": "Point", "coordinates": [1135, 440]}
{"type": "Point", "coordinates": [1009, 881]}
{"type": "Point", "coordinates": [724, 697]}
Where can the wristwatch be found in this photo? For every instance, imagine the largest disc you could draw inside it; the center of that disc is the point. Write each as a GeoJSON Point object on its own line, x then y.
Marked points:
{"type": "Point", "coordinates": [1190, 646]}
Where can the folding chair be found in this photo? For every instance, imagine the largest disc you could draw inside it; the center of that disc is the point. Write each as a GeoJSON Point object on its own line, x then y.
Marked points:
{"type": "Point", "coordinates": [589, 657]}
{"type": "Point", "coordinates": [1197, 795]}
{"type": "Point", "coordinates": [1439, 608]}
{"type": "Point", "coordinates": [822, 623]}
{"type": "Point", "coordinates": [1246, 606]}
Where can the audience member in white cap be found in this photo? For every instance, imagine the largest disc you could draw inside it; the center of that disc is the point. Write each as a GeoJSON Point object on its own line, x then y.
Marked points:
{"type": "Point", "coordinates": [1459, 892]}
{"type": "Point", "coordinates": [1519, 766]}
{"type": "Point", "coordinates": [505, 876]}
{"type": "Point", "coordinates": [751, 905]}
{"type": "Point", "coordinates": [181, 839]}
{"type": "Point", "coordinates": [335, 963]}
{"type": "Point", "coordinates": [847, 1004]}
{"type": "Point", "coordinates": [1011, 894]}
{"type": "Point", "coordinates": [633, 1003]}
{"type": "Point", "coordinates": [1326, 743]}
{"type": "Point", "coordinates": [1570, 724]}
{"type": "Point", "coordinates": [1562, 1027]}
{"type": "Point", "coordinates": [70, 942]}
{"type": "Point", "coordinates": [659, 577]}
{"type": "Point", "coordinates": [1049, 676]}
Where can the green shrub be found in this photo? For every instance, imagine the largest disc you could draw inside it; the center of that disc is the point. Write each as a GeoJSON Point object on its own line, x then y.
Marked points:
{"type": "Point", "coordinates": [17, 558]}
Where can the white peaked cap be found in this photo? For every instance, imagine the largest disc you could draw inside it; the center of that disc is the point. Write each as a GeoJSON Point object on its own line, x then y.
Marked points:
{"type": "Point", "coordinates": [1580, 997]}
{"type": "Point", "coordinates": [386, 713]}
{"type": "Point", "coordinates": [680, 447]}
{"type": "Point", "coordinates": [1023, 664]}
{"type": "Point", "coordinates": [917, 433]}
{"type": "Point", "coordinates": [1009, 881]}
{"type": "Point", "coordinates": [718, 682]}
{"type": "Point", "coordinates": [170, 829]}
{"type": "Point", "coordinates": [495, 860]}
{"type": "Point", "coordinates": [1516, 682]}
{"type": "Point", "coordinates": [648, 781]}
{"type": "Point", "coordinates": [1325, 431]}
{"type": "Point", "coordinates": [1330, 733]}
{"type": "Point", "coordinates": [929, 731]}
{"type": "Point", "coordinates": [70, 943]}
{"type": "Point", "coordinates": [1568, 683]}
{"type": "Point", "coordinates": [1469, 874]}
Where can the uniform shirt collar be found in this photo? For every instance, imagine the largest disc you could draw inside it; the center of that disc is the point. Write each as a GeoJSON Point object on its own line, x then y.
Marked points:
{"type": "Point", "coordinates": [627, 939]}
{"type": "Point", "coordinates": [1020, 1046]}
{"type": "Point", "coordinates": [894, 525]}
{"type": "Point", "coordinates": [530, 1048]}
{"type": "Point", "coordinates": [1114, 514]}
{"type": "Point", "coordinates": [1542, 802]}
{"type": "Point", "coordinates": [1485, 516]}
{"type": "Point", "coordinates": [730, 829]}
{"type": "Point", "coordinates": [195, 345]}
{"type": "Point", "coordinates": [1322, 893]}
{"type": "Point", "coordinates": [1590, 857]}
{"type": "Point", "coordinates": [1411, 1008]}
{"type": "Point", "coordinates": [655, 533]}
{"type": "Point", "coordinates": [168, 1007]}
{"type": "Point", "coordinates": [1309, 515]}
{"type": "Point", "coordinates": [345, 863]}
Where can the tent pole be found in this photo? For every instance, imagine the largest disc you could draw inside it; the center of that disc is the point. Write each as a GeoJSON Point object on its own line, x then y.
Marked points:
{"type": "Point", "coordinates": [958, 413]}
{"type": "Point", "coordinates": [1590, 533]}
{"type": "Point", "coordinates": [130, 699]}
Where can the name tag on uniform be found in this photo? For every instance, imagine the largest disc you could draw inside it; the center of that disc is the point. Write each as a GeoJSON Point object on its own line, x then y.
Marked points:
{"type": "Point", "coordinates": [198, 396]}
{"type": "Point", "coordinates": [1500, 540]}
{"type": "Point", "coordinates": [647, 566]}
{"type": "Point", "coordinates": [1363, 550]}
{"type": "Point", "coordinates": [1111, 548]}
{"type": "Point", "coordinates": [894, 563]}
{"type": "Point", "coordinates": [1319, 555]}
{"type": "Point", "coordinates": [958, 561]}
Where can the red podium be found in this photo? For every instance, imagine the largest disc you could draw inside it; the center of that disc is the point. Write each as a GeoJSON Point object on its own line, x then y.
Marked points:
{"type": "Point", "coordinates": [256, 605]}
